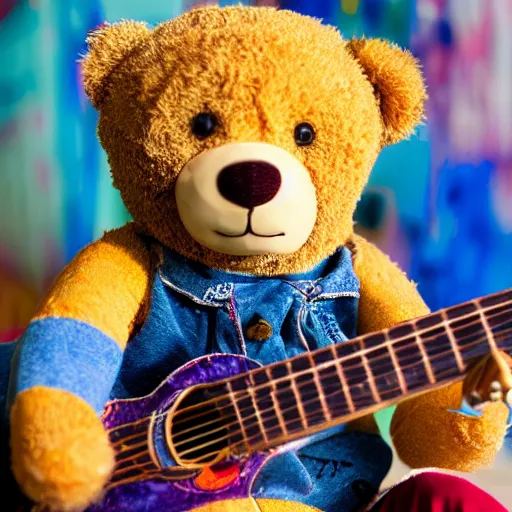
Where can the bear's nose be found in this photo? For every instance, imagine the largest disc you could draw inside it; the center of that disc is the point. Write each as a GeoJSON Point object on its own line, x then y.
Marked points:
{"type": "Point", "coordinates": [249, 184]}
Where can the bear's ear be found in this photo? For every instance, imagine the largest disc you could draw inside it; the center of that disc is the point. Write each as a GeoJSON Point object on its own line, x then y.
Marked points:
{"type": "Point", "coordinates": [398, 84]}
{"type": "Point", "coordinates": [107, 48]}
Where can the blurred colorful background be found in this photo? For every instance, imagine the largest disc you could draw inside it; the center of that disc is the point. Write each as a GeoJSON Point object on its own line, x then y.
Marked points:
{"type": "Point", "coordinates": [439, 204]}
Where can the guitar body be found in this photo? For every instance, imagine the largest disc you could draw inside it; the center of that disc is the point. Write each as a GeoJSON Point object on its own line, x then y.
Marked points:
{"type": "Point", "coordinates": [148, 479]}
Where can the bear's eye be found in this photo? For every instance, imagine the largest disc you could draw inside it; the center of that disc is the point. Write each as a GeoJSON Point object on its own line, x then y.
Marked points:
{"type": "Point", "coordinates": [204, 124]}
{"type": "Point", "coordinates": [304, 134]}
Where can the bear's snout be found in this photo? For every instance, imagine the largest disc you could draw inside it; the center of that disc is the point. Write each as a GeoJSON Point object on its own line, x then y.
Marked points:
{"type": "Point", "coordinates": [247, 198]}
{"type": "Point", "coordinates": [249, 184]}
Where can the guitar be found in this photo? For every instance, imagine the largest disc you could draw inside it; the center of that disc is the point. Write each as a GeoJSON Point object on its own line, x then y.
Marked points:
{"type": "Point", "coordinates": [205, 433]}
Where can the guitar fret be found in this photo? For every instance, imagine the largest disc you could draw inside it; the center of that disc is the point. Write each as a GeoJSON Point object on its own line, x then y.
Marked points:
{"type": "Point", "coordinates": [398, 370]}
{"type": "Point", "coordinates": [307, 389]}
{"type": "Point", "coordinates": [355, 374]}
{"type": "Point", "coordinates": [343, 380]}
{"type": "Point", "coordinates": [285, 395]}
{"type": "Point", "coordinates": [275, 401]}
{"type": "Point", "coordinates": [238, 415]}
{"type": "Point", "coordinates": [369, 374]}
{"type": "Point", "coordinates": [500, 321]}
{"type": "Point", "coordinates": [411, 361]}
{"type": "Point", "coordinates": [382, 367]}
{"type": "Point", "coordinates": [425, 359]}
{"type": "Point", "coordinates": [265, 403]}
{"type": "Point", "coordinates": [296, 393]}
{"type": "Point", "coordinates": [432, 331]}
{"type": "Point", "coordinates": [330, 383]}
{"type": "Point", "coordinates": [453, 342]}
{"type": "Point", "coordinates": [256, 409]}
{"type": "Point", "coordinates": [321, 395]}
{"type": "Point", "coordinates": [488, 331]}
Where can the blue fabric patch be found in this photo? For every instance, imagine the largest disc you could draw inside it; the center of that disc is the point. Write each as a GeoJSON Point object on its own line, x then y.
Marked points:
{"type": "Point", "coordinates": [66, 354]}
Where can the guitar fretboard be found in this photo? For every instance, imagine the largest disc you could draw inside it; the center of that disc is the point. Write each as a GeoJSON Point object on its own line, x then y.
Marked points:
{"type": "Point", "coordinates": [300, 396]}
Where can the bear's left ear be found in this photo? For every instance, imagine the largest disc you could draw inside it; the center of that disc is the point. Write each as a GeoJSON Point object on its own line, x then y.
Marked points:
{"type": "Point", "coordinates": [107, 48]}
{"type": "Point", "coordinates": [398, 84]}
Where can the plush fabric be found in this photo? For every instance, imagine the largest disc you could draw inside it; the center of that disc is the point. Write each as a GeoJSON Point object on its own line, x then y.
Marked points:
{"type": "Point", "coordinates": [196, 310]}
{"type": "Point", "coordinates": [71, 352]}
{"type": "Point", "coordinates": [398, 89]}
{"type": "Point", "coordinates": [61, 455]}
{"type": "Point", "coordinates": [65, 354]}
{"type": "Point", "coordinates": [473, 441]}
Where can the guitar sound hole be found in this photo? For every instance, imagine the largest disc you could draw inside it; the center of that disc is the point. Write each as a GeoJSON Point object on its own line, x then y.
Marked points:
{"type": "Point", "coordinates": [199, 432]}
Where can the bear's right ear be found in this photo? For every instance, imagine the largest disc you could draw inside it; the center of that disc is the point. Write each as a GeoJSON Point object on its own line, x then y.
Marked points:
{"type": "Point", "coordinates": [107, 48]}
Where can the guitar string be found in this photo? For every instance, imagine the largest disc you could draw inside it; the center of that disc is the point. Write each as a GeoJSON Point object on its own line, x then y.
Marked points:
{"type": "Point", "coordinates": [314, 398]}
{"type": "Point", "coordinates": [339, 360]}
{"type": "Point", "coordinates": [343, 359]}
{"type": "Point", "coordinates": [326, 365]}
{"type": "Point", "coordinates": [357, 366]}
{"type": "Point", "coordinates": [242, 442]}
{"type": "Point", "coordinates": [332, 363]}
{"type": "Point", "coordinates": [132, 446]}
{"type": "Point", "coordinates": [223, 426]}
{"type": "Point", "coordinates": [406, 365]}
{"type": "Point", "coordinates": [132, 437]}
{"type": "Point", "coordinates": [143, 453]}
{"type": "Point", "coordinates": [310, 414]}
{"type": "Point", "coordinates": [148, 475]}
{"type": "Point", "coordinates": [348, 368]}
{"type": "Point", "coordinates": [441, 376]}
{"type": "Point", "coordinates": [125, 469]}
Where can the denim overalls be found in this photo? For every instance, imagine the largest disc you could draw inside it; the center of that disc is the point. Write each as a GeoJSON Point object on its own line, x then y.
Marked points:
{"type": "Point", "coordinates": [196, 311]}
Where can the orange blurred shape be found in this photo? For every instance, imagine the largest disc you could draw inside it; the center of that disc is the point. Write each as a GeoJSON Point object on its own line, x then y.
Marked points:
{"type": "Point", "coordinates": [213, 479]}
{"type": "Point", "coordinates": [18, 303]}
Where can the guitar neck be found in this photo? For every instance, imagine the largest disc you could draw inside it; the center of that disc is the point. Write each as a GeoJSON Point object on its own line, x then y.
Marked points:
{"type": "Point", "coordinates": [295, 398]}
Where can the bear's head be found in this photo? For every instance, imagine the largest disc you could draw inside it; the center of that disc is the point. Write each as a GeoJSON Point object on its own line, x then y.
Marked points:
{"type": "Point", "coordinates": [242, 137]}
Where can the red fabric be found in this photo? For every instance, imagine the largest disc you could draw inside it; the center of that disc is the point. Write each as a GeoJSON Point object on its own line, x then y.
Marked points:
{"type": "Point", "coordinates": [11, 335]}
{"type": "Point", "coordinates": [437, 492]}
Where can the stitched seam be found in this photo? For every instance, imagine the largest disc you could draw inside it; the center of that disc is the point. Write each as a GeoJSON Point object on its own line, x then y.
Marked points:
{"type": "Point", "coordinates": [192, 297]}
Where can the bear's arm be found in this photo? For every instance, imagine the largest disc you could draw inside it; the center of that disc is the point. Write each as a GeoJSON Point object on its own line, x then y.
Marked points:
{"type": "Point", "coordinates": [76, 339]}
{"type": "Point", "coordinates": [425, 432]}
{"type": "Point", "coordinates": [64, 368]}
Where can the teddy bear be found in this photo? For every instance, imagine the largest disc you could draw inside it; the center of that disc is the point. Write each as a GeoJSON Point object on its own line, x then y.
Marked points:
{"type": "Point", "coordinates": [240, 139]}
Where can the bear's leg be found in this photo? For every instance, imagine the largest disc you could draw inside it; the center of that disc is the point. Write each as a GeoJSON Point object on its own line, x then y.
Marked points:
{"type": "Point", "coordinates": [437, 492]}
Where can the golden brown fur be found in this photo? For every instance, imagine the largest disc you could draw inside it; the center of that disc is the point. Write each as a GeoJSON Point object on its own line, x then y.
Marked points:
{"type": "Point", "coordinates": [61, 452]}
{"type": "Point", "coordinates": [261, 72]}
{"type": "Point", "coordinates": [121, 262]}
